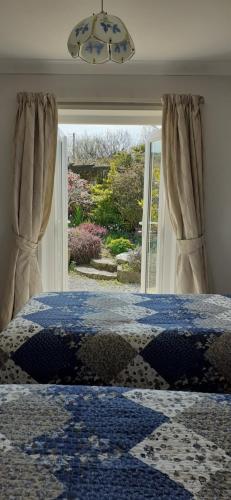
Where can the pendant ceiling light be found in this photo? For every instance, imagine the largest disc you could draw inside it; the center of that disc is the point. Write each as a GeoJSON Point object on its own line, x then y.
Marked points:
{"type": "Point", "coordinates": [101, 38]}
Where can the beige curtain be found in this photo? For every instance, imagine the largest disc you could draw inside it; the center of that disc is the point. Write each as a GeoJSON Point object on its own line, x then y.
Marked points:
{"type": "Point", "coordinates": [34, 165]}
{"type": "Point", "coordinates": [183, 175]}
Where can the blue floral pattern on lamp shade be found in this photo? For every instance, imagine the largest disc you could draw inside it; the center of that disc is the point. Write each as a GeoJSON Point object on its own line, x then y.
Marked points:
{"type": "Point", "coordinates": [121, 47]}
{"type": "Point", "coordinates": [109, 26]}
{"type": "Point", "coordinates": [122, 51]}
{"type": "Point", "coordinates": [82, 29]}
{"type": "Point", "coordinates": [97, 47]}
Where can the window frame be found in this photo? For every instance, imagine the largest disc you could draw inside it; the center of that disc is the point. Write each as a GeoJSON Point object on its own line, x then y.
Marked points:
{"type": "Point", "coordinates": [54, 265]}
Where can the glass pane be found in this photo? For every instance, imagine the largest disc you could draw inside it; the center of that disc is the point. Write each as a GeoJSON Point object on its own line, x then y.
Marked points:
{"type": "Point", "coordinates": [155, 159]}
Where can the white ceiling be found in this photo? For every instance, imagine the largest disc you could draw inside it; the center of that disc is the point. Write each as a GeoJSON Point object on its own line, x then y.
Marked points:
{"type": "Point", "coordinates": [173, 30]}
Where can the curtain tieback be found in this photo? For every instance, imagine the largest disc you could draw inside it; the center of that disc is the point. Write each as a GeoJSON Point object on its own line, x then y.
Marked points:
{"type": "Point", "coordinates": [25, 245]}
{"type": "Point", "coordinates": [191, 245]}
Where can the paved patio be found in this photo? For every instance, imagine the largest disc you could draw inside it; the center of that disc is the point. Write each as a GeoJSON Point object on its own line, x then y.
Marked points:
{"type": "Point", "coordinates": [78, 283]}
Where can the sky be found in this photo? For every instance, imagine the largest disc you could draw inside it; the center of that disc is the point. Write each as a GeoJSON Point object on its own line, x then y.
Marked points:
{"type": "Point", "coordinates": [136, 131]}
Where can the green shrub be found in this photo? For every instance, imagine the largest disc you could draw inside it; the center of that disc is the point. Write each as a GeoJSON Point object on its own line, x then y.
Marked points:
{"type": "Point", "coordinates": [77, 217]}
{"type": "Point", "coordinates": [72, 266]}
{"type": "Point", "coordinates": [113, 236]}
{"type": "Point", "coordinates": [104, 211]}
{"type": "Point", "coordinates": [127, 193]}
{"type": "Point", "coordinates": [104, 214]}
{"type": "Point", "coordinates": [119, 245]}
{"type": "Point", "coordinates": [134, 237]}
{"type": "Point", "coordinates": [117, 202]}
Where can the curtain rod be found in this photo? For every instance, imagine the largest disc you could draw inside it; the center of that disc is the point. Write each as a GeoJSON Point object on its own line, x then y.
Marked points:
{"type": "Point", "coordinates": [91, 105]}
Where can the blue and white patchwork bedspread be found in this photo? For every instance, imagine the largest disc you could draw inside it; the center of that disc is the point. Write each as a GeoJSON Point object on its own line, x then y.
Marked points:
{"type": "Point", "coordinates": [132, 340]}
{"type": "Point", "coordinates": [91, 443]}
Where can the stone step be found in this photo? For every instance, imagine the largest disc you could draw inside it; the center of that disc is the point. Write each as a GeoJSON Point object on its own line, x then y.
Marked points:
{"type": "Point", "coordinates": [97, 274]}
{"type": "Point", "coordinates": [124, 258]}
{"type": "Point", "coordinates": [104, 264]}
{"type": "Point", "coordinates": [128, 275]}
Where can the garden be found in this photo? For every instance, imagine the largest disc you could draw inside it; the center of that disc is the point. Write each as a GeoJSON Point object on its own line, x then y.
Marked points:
{"type": "Point", "coordinates": [105, 228]}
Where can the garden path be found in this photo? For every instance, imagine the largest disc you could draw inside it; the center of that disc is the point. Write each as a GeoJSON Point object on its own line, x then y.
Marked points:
{"type": "Point", "coordinates": [79, 283]}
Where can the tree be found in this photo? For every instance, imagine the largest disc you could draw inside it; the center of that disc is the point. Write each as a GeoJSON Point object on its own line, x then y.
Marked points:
{"type": "Point", "coordinates": [118, 201]}
{"type": "Point", "coordinates": [100, 149]}
{"type": "Point", "coordinates": [127, 193]}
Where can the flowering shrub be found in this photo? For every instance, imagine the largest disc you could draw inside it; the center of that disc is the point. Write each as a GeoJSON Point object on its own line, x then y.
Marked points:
{"type": "Point", "coordinates": [93, 229]}
{"type": "Point", "coordinates": [119, 245]}
{"type": "Point", "coordinates": [83, 246]}
{"type": "Point", "coordinates": [78, 193]}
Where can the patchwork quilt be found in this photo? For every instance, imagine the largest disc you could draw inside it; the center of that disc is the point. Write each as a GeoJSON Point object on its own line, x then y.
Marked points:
{"type": "Point", "coordinates": [93, 443]}
{"type": "Point", "coordinates": [132, 340]}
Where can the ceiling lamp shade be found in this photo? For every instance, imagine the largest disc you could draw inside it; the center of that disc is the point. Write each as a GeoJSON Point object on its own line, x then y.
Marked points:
{"type": "Point", "coordinates": [101, 38]}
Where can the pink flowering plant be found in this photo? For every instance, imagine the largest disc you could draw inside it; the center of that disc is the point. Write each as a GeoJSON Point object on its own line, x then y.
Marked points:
{"type": "Point", "coordinates": [94, 229]}
{"type": "Point", "coordinates": [83, 246]}
{"type": "Point", "coordinates": [79, 195]}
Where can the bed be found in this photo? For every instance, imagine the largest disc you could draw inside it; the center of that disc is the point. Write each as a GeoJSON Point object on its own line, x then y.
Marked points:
{"type": "Point", "coordinates": [132, 340]}
{"type": "Point", "coordinates": [66, 442]}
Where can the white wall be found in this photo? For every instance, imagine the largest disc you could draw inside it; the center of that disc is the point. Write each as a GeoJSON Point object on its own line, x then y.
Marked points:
{"type": "Point", "coordinates": [217, 142]}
